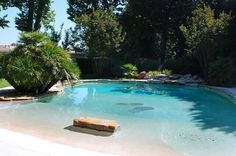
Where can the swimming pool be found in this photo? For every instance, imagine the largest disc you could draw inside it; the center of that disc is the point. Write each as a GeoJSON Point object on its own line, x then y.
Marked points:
{"type": "Point", "coordinates": [154, 118]}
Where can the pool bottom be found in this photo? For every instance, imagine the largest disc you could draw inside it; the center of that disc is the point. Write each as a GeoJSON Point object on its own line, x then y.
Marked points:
{"type": "Point", "coordinates": [120, 143]}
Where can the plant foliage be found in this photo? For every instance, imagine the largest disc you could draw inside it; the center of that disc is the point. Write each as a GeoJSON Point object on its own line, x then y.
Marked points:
{"type": "Point", "coordinates": [37, 64]}
{"type": "Point", "coordinates": [98, 34]}
{"type": "Point", "coordinates": [204, 33]}
{"type": "Point", "coordinates": [222, 72]}
{"type": "Point", "coordinates": [129, 71]}
{"type": "Point", "coordinates": [165, 71]}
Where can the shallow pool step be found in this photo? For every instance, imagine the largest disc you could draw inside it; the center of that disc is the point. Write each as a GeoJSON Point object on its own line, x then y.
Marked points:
{"type": "Point", "coordinates": [96, 124]}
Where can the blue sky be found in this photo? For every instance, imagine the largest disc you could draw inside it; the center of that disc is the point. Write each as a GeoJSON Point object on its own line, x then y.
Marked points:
{"type": "Point", "coordinates": [10, 35]}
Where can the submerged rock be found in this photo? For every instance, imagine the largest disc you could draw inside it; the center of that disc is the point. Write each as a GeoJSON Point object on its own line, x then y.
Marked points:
{"type": "Point", "coordinates": [130, 104]}
{"type": "Point", "coordinates": [141, 109]}
{"type": "Point", "coordinates": [96, 124]}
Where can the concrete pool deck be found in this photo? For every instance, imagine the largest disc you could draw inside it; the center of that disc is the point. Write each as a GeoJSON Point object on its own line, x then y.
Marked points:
{"type": "Point", "coordinates": [229, 91]}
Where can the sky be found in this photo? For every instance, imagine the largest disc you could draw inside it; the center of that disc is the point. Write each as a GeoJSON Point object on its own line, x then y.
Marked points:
{"type": "Point", "coordinates": [11, 34]}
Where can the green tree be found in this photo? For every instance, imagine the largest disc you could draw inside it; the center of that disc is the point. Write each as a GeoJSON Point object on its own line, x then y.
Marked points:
{"type": "Point", "coordinates": [149, 25]}
{"type": "Point", "coordinates": [32, 13]}
{"type": "Point", "coordinates": [98, 34]}
{"type": "Point", "coordinates": [68, 40]}
{"type": "Point", "coordinates": [203, 35]}
{"type": "Point", "coordinates": [37, 64]}
{"type": "Point", "coordinates": [56, 35]}
{"type": "Point", "coordinates": [78, 8]}
{"type": "Point", "coordinates": [3, 21]}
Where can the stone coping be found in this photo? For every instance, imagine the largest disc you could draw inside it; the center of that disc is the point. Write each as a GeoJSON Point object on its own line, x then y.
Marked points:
{"type": "Point", "coordinates": [9, 94]}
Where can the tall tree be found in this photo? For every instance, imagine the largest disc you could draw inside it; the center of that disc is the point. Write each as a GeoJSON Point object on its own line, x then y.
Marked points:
{"type": "Point", "coordinates": [3, 5]}
{"type": "Point", "coordinates": [32, 13]}
{"type": "Point", "coordinates": [67, 40]}
{"type": "Point", "coordinates": [161, 17]}
{"type": "Point", "coordinates": [204, 33]}
{"type": "Point", "coordinates": [98, 34]}
{"type": "Point", "coordinates": [78, 8]}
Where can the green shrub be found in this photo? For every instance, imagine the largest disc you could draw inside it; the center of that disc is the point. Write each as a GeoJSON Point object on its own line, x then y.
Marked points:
{"type": "Point", "coordinates": [203, 33]}
{"type": "Point", "coordinates": [37, 64]}
{"type": "Point", "coordinates": [165, 71]}
{"type": "Point", "coordinates": [129, 71]}
{"type": "Point", "coordinates": [3, 83]}
{"type": "Point", "coordinates": [221, 72]}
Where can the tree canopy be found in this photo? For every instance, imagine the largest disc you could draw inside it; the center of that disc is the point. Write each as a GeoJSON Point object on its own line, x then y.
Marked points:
{"type": "Point", "coordinates": [3, 21]}
{"type": "Point", "coordinates": [32, 13]}
{"type": "Point", "coordinates": [183, 34]}
{"type": "Point", "coordinates": [79, 7]}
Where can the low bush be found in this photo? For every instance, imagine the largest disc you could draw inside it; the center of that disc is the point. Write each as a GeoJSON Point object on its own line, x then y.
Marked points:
{"type": "Point", "coordinates": [3, 83]}
{"type": "Point", "coordinates": [129, 71]}
{"type": "Point", "coordinates": [221, 72]}
{"type": "Point", "coordinates": [37, 64]}
{"type": "Point", "coordinates": [165, 71]}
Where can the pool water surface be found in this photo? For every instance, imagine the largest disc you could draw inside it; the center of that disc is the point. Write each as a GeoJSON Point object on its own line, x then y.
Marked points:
{"type": "Point", "coordinates": [153, 118]}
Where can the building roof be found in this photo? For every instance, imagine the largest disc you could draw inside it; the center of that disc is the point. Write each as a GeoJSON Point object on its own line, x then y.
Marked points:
{"type": "Point", "coordinates": [6, 48]}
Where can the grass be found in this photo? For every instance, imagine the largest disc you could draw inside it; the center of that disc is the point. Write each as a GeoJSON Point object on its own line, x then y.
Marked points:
{"type": "Point", "coordinates": [3, 83]}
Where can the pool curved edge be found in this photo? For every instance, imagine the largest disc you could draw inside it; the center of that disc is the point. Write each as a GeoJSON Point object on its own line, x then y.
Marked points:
{"type": "Point", "coordinates": [229, 93]}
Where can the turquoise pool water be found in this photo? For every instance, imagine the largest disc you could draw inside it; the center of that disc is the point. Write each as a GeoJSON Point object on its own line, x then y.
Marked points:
{"type": "Point", "coordinates": [189, 120]}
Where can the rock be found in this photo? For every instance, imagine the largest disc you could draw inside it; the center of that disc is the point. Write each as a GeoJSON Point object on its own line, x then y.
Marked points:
{"type": "Point", "coordinates": [149, 77]}
{"type": "Point", "coordinates": [141, 109]}
{"type": "Point", "coordinates": [96, 124]}
{"type": "Point", "coordinates": [188, 78]}
{"type": "Point", "coordinates": [161, 76]}
{"type": "Point", "coordinates": [174, 77]}
{"type": "Point", "coordinates": [21, 98]}
{"type": "Point", "coordinates": [130, 104]}
{"type": "Point", "coordinates": [195, 77]}
{"type": "Point", "coordinates": [141, 75]}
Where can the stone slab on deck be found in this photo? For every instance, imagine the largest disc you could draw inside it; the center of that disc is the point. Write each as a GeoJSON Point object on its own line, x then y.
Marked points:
{"type": "Point", "coordinates": [96, 124]}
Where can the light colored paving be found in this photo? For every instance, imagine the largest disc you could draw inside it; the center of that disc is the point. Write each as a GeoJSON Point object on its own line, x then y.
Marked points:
{"type": "Point", "coordinates": [230, 91]}
{"type": "Point", "coordinates": [16, 144]}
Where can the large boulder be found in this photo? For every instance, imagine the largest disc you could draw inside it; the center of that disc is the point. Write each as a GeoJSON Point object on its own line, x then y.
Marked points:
{"type": "Point", "coordinates": [96, 124]}
{"type": "Point", "coordinates": [192, 79]}
{"type": "Point", "coordinates": [141, 75]}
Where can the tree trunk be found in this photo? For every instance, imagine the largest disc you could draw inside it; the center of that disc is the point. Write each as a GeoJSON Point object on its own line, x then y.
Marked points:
{"type": "Point", "coordinates": [31, 6]}
{"type": "Point", "coordinates": [164, 38]}
{"type": "Point", "coordinates": [39, 14]}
